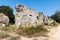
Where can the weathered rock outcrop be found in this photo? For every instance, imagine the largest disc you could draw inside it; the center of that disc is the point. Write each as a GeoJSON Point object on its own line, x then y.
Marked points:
{"type": "Point", "coordinates": [4, 20]}
{"type": "Point", "coordinates": [47, 20]}
{"type": "Point", "coordinates": [26, 16]}
{"type": "Point", "coordinates": [40, 18]}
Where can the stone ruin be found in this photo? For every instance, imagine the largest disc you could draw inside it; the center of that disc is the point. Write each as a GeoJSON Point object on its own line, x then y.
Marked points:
{"type": "Point", "coordinates": [26, 16]}
{"type": "Point", "coordinates": [4, 20]}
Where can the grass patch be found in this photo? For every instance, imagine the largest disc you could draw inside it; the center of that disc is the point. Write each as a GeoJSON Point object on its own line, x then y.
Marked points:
{"type": "Point", "coordinates": [31, 31]}
{"type": "Point", "coordinates": [4, 35]}
{"type": "Point", "coordinates": [39, 29]}
{"type": "Point", "coordinates": [8, 29]}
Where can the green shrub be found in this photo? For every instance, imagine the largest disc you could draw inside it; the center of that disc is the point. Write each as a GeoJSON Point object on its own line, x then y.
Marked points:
{"type": "Point", "coordinates": [8, 11]}
{"type": "Point", "coordinates": [54, 24]}
{"type": "Point", "coordinates": [32, 30]}
{"type": "Point", "coordinates": [41, 28]}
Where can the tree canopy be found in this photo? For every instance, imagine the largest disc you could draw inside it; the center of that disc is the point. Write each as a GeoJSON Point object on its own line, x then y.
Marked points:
{"type": "Point", "coordinates": [8, 11]}
{"type": "Point", "coordinates": [56, 16]}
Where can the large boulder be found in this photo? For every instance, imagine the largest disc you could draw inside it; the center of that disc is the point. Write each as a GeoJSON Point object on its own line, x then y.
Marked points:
{"type": "Point", "coordinates": [25, 16]}
{"type": "Point", "coordinates": [4, 20]}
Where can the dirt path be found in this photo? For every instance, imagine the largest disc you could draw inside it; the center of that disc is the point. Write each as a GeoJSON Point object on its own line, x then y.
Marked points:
{"type": "Point", "coordinates": [55, 33]}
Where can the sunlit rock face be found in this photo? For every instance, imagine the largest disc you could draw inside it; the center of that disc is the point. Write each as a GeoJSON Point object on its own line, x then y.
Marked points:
{"type": "Point", "coordinates": [40, 18]}
{"type": "Point", "coordinates": [25, 16]}
{"type": "Point", "coordinates": [4, 20]}
{"type": "Point", "coordinates": [47, 20]}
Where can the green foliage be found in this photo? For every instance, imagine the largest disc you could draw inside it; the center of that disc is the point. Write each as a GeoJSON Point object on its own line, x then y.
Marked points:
{"type": "Point", "coordinates": [32, 30]}
{"type": "Point", "coordinates": [8, 12]}
{"type": "Point", "coordinates": [56, 16]}
{"type": "Point", "coordinates": [55, 24]}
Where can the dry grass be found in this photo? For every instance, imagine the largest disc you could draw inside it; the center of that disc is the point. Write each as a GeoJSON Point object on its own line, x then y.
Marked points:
{"type": "Point", "coordinates": [32, 31]}
{"type": "Point", "coordinates": [3, 35]}
{"type": "Point", "coordinates": [27, 32]}
{"type": "Point", "coordinates": [54, 24]}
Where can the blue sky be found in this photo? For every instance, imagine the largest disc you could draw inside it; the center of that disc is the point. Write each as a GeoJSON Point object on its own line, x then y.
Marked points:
{"type": "Point", "coordinates": [48, 7]}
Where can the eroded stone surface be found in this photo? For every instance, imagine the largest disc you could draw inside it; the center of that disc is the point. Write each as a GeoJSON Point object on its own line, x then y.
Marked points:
{"type": "Point", "coordinates": [4, 20]}
{"type": "Point", "coordinates": [26, 16]}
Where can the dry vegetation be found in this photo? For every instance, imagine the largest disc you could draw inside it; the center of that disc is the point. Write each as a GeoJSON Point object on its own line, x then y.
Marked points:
{"type": "Point", "coordinates": [32, 31]}
{"type": "Point", "coordinates": [54, 24]}
{"type": "Point", "coordinates": [39, 30]}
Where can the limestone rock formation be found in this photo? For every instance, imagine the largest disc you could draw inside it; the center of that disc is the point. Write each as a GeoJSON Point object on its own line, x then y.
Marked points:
{"type": "Point", "coordinates": [26, 16]}
{"type": "Point", "coordinates": [40, 18]}
{"type": "Point", "coordinates": [47, 20]}
{"type": "Point", "coordinates": [4, 20]}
